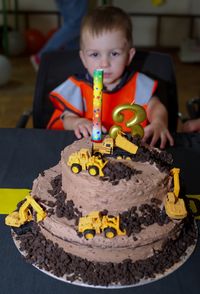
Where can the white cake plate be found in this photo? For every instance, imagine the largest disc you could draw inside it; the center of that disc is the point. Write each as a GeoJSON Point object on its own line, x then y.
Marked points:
{"type": "Point", "coordinates": [142, 282]}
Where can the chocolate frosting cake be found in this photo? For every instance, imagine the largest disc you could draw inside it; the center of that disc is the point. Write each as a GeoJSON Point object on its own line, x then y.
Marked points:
{"type": "Point", "coordinates": [134, 189]}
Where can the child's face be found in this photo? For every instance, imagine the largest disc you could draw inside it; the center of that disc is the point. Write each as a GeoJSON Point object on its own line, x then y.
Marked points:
{"type": "Point", "coordinates": [109, 51]}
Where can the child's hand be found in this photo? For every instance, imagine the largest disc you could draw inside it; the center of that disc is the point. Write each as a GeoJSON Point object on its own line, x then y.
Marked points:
{"type": "Point", "coordinates": [192, 125]}
{"type": "Point", "coordinates": [83, 127]}
{"type": "Point", "coordinates": [157, 130]}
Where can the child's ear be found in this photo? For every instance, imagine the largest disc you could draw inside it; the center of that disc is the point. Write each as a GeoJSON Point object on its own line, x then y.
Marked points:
{"type": "Point", "coordinates": [82, 58]}
{"type": "Point", "coordinates": [130, 55]}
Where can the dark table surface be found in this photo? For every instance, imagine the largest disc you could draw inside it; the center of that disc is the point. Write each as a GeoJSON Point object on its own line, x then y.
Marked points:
{"type": "Point", "coordinates": [24, 153]}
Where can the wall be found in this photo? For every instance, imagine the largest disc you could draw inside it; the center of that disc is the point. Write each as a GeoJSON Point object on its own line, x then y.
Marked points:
{"type": "Point", "coordinates": [42, 22]}
{"type": "Point", "coordinates": [173, 31]}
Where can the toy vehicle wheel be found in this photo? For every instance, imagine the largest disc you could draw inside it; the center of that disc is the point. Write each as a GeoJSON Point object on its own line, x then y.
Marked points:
{"type": "Point", "coordinates": [119, 157]}
{"type": "Point", "coordinates": [89, 234]}
{"type": "Point", "coordinates": [93, 170]}
{"type": "Point", "coordinates": [128, 158]}
{"type": "Point", "coordinates": [98, 154]}
{"type": "Point", "coordinates": [23, 229]}
{"type": "Point", "coordinates": [76, 168]}
{"type": "Point", "coordinates": [110, 233]}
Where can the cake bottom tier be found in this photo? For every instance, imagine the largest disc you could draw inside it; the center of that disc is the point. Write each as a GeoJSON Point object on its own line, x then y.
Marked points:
{"type": "Point", "coordinates": [60, 226]}
{"type": "Point", "coordinates": [49, 256]}
{"type": "Point", "coordinates": [100, 249]}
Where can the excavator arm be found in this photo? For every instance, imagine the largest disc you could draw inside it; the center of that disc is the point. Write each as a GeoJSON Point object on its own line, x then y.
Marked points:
{"type": "Point", "coordinates": [24, 215]}
{"type": "Point", "coordinates": [174, 206]}
{"type": "Point", "coordinates": [40, 213]}
{"type": "Point", "coordinates": [175, 172]}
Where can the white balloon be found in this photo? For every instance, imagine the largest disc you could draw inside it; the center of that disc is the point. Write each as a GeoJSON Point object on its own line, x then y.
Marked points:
{"type": "Point", "coordinates": [5, 70]}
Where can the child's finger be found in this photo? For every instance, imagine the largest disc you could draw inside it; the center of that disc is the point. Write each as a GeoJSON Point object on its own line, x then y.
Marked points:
{"type": "Point", "coordinates": [170, 138]}
{"type": "Point", "coordinates": [147, 133]}
{"type": "Point", "coordinates": [77, 133]}
{"type": "Point", "coordinates": [84, 131]}
{"type": "Point", "coordinates": [104, 130]}
{"type": "Point", "coordinates": [90, 129]}
{"type": "Point", "coordinates": [154, 139]}
{"type": "Point", "coordinates": [163, 141]}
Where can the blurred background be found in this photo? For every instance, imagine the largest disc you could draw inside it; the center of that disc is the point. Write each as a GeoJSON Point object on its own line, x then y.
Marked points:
{"type": "Point", "coordinates": [160, 25]}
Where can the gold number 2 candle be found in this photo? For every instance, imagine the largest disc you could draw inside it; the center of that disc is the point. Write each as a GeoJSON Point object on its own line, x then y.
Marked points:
{"type": "Point", "coordinates": [97, 105]}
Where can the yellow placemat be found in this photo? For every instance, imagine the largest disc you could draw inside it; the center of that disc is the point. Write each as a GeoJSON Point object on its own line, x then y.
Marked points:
{"type": "Point", "coordinates": [9, 199]}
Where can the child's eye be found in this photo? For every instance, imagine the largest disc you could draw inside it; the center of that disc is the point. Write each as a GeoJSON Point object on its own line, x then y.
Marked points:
{"type": "Point", "coordinates": [95, 54]}
{"type": "Point", "coordinates": [114, 53]}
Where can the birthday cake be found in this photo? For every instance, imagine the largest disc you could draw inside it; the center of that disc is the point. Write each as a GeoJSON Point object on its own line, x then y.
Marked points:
{"type": "Point", "coordinates": [110, 213]}
{"type": "Point", "coordinates": [107, 214]}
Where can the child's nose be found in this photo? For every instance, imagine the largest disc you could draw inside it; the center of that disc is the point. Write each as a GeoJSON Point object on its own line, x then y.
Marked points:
{"type": "Point", "coordinates": [104, 62]}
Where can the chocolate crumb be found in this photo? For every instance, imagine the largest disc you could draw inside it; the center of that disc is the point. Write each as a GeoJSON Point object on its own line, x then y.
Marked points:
{"type": "Point", "coordinates": [116, 171]}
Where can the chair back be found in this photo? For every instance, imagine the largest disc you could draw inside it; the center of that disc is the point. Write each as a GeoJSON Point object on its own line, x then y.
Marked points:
{"type": "Point", "coordinates": [57, 66]}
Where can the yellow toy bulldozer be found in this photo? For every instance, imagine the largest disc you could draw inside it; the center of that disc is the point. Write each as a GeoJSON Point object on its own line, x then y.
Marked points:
{"type": "Point", "coordinates": [19, 218]}
{"type": "Point", "coordinates": [83, 160]}
{"type": "Point", "coordinates": [174, 206]}
{"type": "Point", "coordinates": [94, 223]}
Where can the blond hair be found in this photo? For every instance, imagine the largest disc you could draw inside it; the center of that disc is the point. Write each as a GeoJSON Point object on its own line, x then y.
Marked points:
{"type": "Point", "coordinates": [107, 18]}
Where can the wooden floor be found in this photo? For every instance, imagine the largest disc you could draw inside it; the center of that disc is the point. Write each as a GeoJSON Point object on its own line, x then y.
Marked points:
{"type": "Point", "coordinates": [17, 95]}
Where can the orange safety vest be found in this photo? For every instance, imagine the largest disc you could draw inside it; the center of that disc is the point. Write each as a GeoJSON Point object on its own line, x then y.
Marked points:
{"type": "Point", "coordinates": [76, 95]}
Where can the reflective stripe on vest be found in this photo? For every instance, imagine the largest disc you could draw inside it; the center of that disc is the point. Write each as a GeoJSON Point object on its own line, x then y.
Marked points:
{"type": "Point", "coordinates": [144, 89]}
{"type": "Point", "coordinates": [72, 94]}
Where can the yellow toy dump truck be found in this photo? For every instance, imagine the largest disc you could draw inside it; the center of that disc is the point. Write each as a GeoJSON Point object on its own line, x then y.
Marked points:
{"type": "Point", "coordinates": [174, 206]}
{"type": "Point", "coordinates": [83, 160]}
{"type": "Point", "coordinates": [94, 223]}
{"type": "Point", "coordinates": [19, 218]}
{"type": "Point", "coordinates": [109, 145]}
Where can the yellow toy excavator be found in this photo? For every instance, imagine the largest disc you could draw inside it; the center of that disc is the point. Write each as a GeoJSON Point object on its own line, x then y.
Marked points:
{"type": "Point", "coordinates": [24, 215]}
{"type": "Point", "coordinates": [174, 206]}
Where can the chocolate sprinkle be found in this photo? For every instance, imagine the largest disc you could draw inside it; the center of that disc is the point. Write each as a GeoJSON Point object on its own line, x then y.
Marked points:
{"type": "Point", "coordinates": [115, 171]}
{"type": "Point", "coordinates": [56, 184]}
{"type": "Point", "coordinates": [66, 209]}
{"type": "Point", "coordinates": [63, 207]}
{"type": "Point", "coordinates": [162, 159]}
{"type": "Point", "coordinates": [134, 220]}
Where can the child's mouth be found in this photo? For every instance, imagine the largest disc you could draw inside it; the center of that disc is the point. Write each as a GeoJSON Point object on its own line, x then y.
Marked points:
{"type": "Point", "coordinates": [107, 75]}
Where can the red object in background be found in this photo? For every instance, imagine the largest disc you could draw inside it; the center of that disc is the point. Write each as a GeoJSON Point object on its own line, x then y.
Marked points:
{"type": "Point", "coordinates": [35, 40]}
{"type": "Point", "coordinates": [50, 33]}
